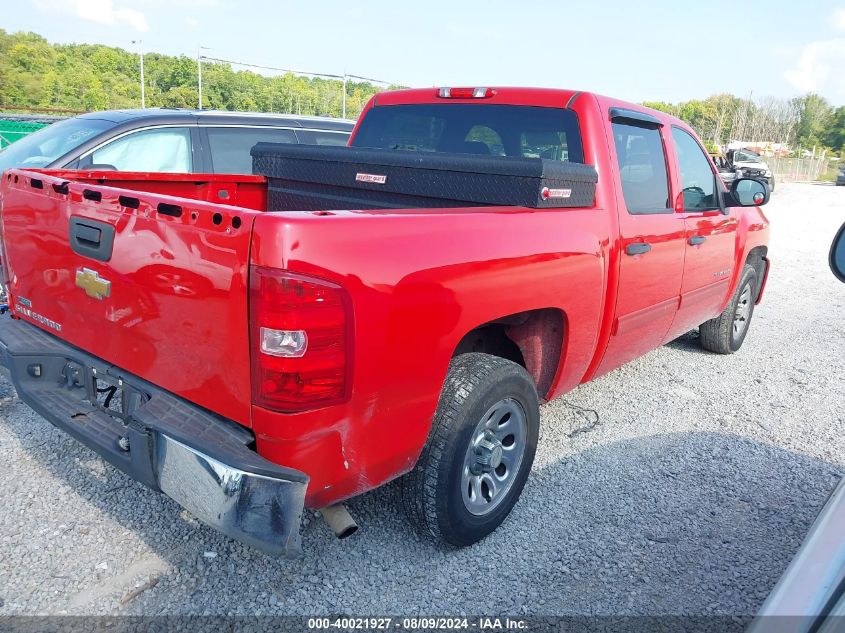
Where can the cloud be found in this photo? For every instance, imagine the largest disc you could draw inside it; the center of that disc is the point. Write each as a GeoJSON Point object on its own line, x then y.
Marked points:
{"type": "Point", "coordinates": [101, 11]}
{"type": "Point", "coordinates": [182, 4]}
{"type": "Point", "coordinates": [838, 19]}
{"type": "Point", "coordinates": [819, 68]}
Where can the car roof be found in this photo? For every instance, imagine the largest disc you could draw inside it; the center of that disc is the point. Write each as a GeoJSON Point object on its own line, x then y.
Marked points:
{"type": "Point", "coordinates": [185, 115]}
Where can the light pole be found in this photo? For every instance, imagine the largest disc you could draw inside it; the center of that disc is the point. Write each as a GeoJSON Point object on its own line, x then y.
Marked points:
{"type": "Point", "coordinates": [199, 74]}
{"type": "Point", "coordinates": [344, 93]}
{"type": "Point", "coordinates": [140, 44]}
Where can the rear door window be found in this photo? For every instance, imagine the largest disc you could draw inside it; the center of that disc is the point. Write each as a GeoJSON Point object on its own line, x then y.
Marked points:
{"type": "Point", "coordinates": [322, 137]}
{"type": "Point", "coordinates": [229, 146]}
{"type": "Point", "coordinates": [642, 168]}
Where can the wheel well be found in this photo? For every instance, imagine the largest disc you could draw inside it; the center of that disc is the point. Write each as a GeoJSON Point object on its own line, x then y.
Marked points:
{"type": "Point", "coordinates": [533, 339]}
{"type": "Point", "coordinates": [756, 257]}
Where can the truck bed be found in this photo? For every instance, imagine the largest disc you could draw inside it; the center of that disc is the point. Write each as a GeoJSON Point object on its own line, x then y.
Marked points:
{"type": "Point", "coordinates": [176, 272]}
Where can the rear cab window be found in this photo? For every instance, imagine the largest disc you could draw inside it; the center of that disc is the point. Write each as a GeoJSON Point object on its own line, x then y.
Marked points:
{"type": "Point", "coordinates": [487, 130]}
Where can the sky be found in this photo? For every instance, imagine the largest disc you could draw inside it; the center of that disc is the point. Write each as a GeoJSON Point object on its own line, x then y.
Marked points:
{"type": "Point", "coordinates": [664, 50]}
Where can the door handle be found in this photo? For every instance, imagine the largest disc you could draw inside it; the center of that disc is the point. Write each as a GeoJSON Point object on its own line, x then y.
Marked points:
{"type": "Point", "coordinates": [695, 240]}
{"type": "Point", "coordinates": [637, 248]}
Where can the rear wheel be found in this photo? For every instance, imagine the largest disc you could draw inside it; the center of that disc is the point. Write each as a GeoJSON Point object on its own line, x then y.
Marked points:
{"type": "Point", "coordinates": [726, 333]}
{"type": "Point", "coordinates": [479, 452]}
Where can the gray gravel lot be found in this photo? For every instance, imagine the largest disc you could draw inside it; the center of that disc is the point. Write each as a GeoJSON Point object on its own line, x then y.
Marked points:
{"type": "Point", "coordinates": [689, 496]}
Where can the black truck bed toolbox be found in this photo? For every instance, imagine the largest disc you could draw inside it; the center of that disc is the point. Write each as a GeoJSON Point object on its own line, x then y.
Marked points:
{"type": "Point", "coordinates": [311, 178]}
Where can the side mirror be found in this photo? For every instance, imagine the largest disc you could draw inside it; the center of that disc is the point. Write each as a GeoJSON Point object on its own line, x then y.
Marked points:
{"type": "Point", "coordinates": [748, 192]}
{"type": "Point", "coordinates": [837, 254]}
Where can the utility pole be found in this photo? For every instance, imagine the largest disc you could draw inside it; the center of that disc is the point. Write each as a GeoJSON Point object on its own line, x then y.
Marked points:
{"type": "Point", "coordinates": [199, 75]}
{"type": "Point", "coordinates": [344, 92]}
{"type": "Point", "coordinates": [140, 44]}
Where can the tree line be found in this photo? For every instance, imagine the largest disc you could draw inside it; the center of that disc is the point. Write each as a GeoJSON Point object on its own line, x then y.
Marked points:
{"type": "Point", "coordinates": [37, 74]}
{"type": "Point", "coordinates": [808, 122]}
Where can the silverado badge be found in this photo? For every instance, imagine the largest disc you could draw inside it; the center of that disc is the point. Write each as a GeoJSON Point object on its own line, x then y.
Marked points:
{"type": "Point", "coordinates": [94, 286]}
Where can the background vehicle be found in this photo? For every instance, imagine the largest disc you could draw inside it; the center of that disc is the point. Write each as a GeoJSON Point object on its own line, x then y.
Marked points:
{"type": "Point", "coordinates": [726, 171]}
{"type": "Point", "coordinates": [840, 177]}
{"type": "Point", "coordinates": [324, 353]}
{"type": "Point", "coordinates": [810, 596]}
{"type": "Point", "coordinates": [167, 140]}
{"type": "Point", "coordinates": [751, 165]}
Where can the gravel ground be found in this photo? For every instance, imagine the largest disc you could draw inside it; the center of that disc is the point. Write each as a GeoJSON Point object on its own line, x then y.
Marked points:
{"type": "Point", "coordinates": [688, 496]}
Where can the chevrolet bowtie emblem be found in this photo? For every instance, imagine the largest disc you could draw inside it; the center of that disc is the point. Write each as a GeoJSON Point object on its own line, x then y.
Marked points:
{"type": "Point", "coordinates": [94, 286]}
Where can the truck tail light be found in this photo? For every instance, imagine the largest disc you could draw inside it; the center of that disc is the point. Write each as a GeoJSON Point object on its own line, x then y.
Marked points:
{"type": "Point", "coordinates": [300, 339]}
{"type": "Point", "coordinates": [465, 93]}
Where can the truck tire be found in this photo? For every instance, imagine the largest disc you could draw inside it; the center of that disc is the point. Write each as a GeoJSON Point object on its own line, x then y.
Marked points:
{"type": "Point", "coordinates": [479, 451]}
{"type": "Point", "coordinates": [725, 333]}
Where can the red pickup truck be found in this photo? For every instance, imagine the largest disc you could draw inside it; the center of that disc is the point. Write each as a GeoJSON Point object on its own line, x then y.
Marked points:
{"type": "Point", "coordinates": [251, 361]}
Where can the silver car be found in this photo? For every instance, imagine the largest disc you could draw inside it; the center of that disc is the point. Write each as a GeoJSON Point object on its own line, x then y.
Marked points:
{"type": "Point", "coordinates": [810, 596]}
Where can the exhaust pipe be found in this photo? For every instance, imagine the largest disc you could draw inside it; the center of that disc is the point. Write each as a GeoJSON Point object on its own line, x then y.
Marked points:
{"type": "Point", "coordinates": [339, 520]}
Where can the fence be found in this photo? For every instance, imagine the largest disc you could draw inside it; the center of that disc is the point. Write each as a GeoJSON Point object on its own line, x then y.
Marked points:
{"type": "Point", "coordinates": [800, 169]}
{"type": "Point", "coordinates": [14, 127]}
{"type": "Point", "coordinates": [11, 131]}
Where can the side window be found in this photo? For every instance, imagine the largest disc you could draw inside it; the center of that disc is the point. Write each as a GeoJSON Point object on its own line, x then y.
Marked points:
{"type": "Point", "coordinates": [229, 146]}
{"type": "Point", "coordinates": [642, 168]}
{"type": "Point", "coordinates": [698, 182]}
{"type": "Point", "coordinates": [322, 137]}
{"type": "Point", "coordinates": [158, 150]}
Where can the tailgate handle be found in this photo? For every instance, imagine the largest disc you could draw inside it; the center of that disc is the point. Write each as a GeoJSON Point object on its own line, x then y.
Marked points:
{"type": "Point", "coordinates": [92, 238]}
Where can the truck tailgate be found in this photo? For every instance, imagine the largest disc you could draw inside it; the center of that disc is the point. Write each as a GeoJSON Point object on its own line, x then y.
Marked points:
{"type": "Point", "coordinates": [153, 284]}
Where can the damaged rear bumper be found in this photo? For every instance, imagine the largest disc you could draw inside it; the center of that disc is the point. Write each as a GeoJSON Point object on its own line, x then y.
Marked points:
{"type": "Point", "coordinates": [200, 460]}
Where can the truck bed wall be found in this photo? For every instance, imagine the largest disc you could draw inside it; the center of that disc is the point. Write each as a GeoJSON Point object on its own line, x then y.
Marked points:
{"type": "Point", "coordinates": [419, 282]}
{"type": "Point", "coordinates": [245, 191]}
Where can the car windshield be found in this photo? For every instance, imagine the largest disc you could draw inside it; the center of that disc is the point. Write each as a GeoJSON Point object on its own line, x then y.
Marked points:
{"type": "Point", "coordinates": [746, 157]}
{"type": "Point", "coordinates": [487, 130]}
{"type": "Point", "coordinates": [47, 144]}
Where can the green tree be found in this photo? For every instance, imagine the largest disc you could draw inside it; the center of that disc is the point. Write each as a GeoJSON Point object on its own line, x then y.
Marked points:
{"type": "Point", "coordinates": [834, 136]}
{"type": "Point", "coordinates": [815, 114]}
{"type": "Point", "coordinates": [35, 73]}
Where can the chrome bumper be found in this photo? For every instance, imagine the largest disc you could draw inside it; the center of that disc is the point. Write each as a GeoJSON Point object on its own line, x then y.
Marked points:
{"type": "Point", "coordinates": [198, 459]}
{"type": "Point", "coordinates": [263, 512]}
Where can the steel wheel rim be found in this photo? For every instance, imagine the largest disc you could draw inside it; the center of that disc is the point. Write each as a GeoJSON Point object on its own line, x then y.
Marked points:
{"type": "Point", "coordinates": [493, 457]}
{"type": "Point", "coordinates": [742, 314]}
